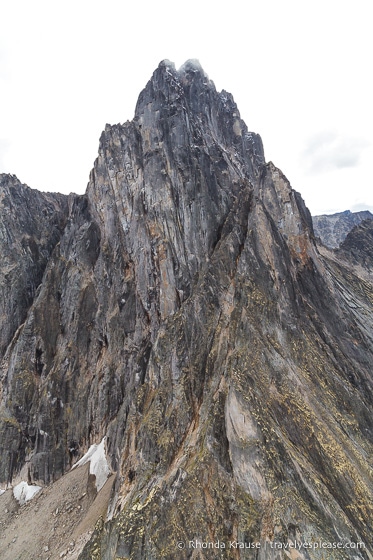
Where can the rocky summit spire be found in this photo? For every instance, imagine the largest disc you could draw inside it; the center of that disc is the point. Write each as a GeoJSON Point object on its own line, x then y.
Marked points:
{"type": "Point", "coordinates": [187, 334]}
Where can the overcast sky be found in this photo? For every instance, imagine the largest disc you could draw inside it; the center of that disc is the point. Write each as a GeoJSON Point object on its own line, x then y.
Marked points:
{"type": "Point", "coordinates": [300, 73]}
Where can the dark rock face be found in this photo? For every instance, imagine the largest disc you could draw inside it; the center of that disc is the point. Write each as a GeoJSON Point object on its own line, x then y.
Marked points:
{"type": "Point", "coordinates": [187, 315]}
{"type": "Point", "coordinates": [31, 224]}
{"type": "Point", "coordinates": [333, 228]}
{"type": "Point", "coordinates": [358, 245]}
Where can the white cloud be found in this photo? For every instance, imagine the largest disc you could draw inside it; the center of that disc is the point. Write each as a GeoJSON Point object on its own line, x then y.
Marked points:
{"type": "Point", "coordinates": [4, 148]}
{"type": "Point", "coordinates": [329, 150]}
{"type": "Point", "coordinates": [358, 206]}
{"type": "Point", "coordinates": [72, 67]}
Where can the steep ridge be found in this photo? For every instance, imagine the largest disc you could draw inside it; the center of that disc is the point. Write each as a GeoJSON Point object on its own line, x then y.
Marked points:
{"type": "Point", "coordinates": [187, 315]}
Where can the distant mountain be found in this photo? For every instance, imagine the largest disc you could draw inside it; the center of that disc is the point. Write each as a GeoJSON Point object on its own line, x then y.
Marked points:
{"type": "Point", "coordinates": [333, 228]}
{"type": "Point", "coordinates": [178, 328]}
{"type": "Point", "coordinates": [357, 247]}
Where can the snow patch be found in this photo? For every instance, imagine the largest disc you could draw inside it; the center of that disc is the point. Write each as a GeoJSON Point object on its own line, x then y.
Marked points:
{"type": "Point", "coordinates": [96, 456]}
{"type": "Point", "coordinates": [23, 492]}
{"type": "Point", "coordinates": [1, 491]}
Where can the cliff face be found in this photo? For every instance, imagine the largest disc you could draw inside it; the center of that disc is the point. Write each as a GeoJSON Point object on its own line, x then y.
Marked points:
{"type": "Point", "coordinates": [187, 315]}
{"type": "Point", "coordinates": [31, 224]}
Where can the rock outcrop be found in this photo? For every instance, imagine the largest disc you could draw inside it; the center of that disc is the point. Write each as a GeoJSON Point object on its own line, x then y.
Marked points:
{"type": "Point", "coordinates": [187, 315]}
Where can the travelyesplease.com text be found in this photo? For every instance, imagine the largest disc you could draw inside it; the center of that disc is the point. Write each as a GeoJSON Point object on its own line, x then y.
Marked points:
{"type": "Point", "coordinates": [298, 545]}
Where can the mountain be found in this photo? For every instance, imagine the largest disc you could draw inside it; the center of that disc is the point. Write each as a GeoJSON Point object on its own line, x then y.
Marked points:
{"type": "Point", "coordinates": [357, 247]}
{"type": "Point", "coordinates": [188, 336]}
{"type": "Point", "coordinates": [333, 228]}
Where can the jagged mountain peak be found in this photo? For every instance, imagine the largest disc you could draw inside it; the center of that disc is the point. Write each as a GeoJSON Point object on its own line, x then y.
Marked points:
{"type": "Point", "coordinates": [192, 72]}
{"type": "Point", "coordinates": [185, 314]}
{"type": "Point", "coordinates": [190, 86]}
{"type": "Point", "coordinates": [192, 65]}
{"type": "Point", "coordinates": [189, 71]}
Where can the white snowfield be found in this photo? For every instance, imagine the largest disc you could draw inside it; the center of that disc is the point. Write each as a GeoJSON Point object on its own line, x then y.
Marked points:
{"type": "Point", "coordinates": [96, 455]}
{"type": "Point", "coordinates": [24, 492]}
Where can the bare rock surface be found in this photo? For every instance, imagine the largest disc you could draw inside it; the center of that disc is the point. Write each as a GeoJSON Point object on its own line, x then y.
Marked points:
{"type": "Point", "coordinates": [31, 224]}
{"type": "Point", "coordinates": [188, 315]}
